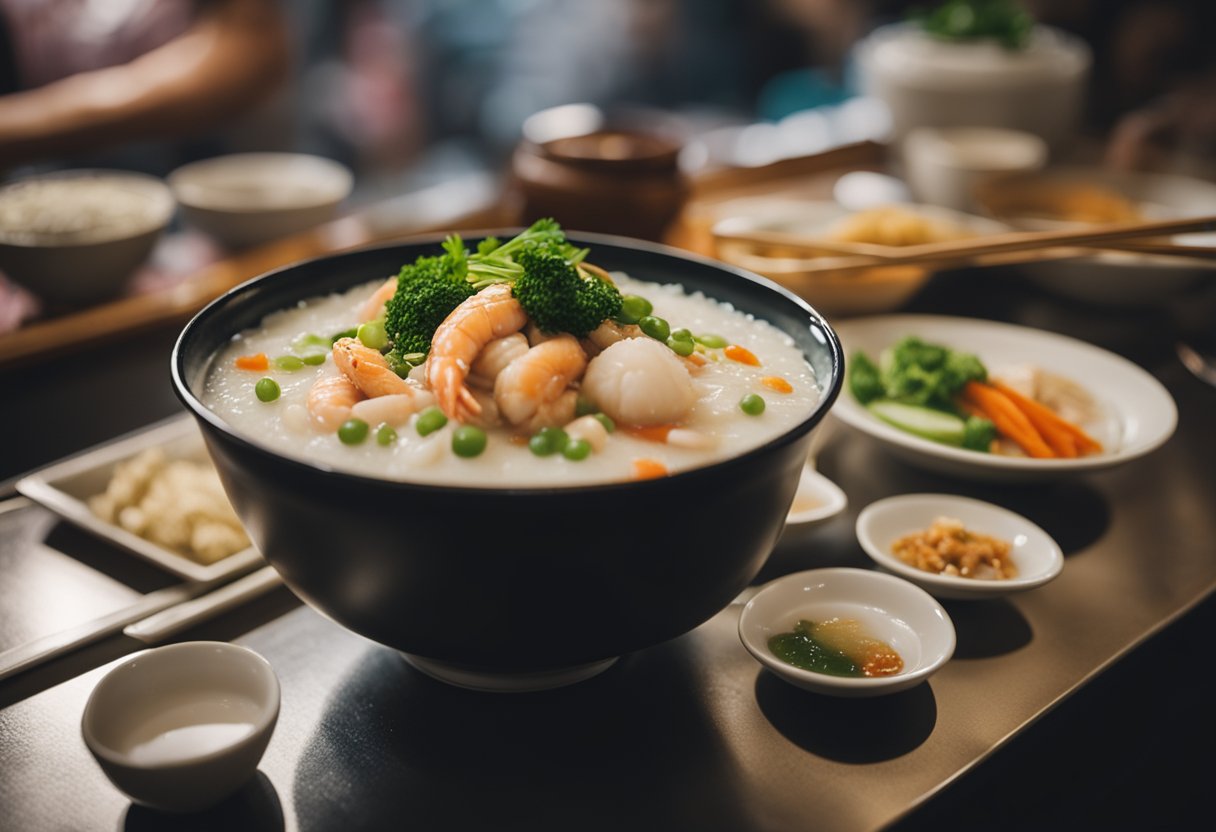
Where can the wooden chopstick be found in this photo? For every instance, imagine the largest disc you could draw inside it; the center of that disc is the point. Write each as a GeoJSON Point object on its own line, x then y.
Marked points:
{"type": "Point", "coordinates": [970, 248]}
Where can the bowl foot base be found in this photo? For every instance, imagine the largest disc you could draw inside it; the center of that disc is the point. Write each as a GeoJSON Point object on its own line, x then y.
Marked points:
{"type": "Point", "coordinates": [472, 678]}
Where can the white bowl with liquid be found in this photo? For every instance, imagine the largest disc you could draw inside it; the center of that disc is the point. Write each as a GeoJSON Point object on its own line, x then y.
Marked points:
{"type": "Point", "coordinates": [181, 727]}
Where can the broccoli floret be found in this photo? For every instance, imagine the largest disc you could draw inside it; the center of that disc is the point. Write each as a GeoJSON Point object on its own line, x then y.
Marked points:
{"type": "Point", "coordinates": [962, 367]}
{"type": "Point", "coordinates": [930, 375]}
{"type": "Point", "coordinates": [559, 296]}
{"type": "Point", "coordinates": [978, 433]}
{"type": "Point", "coordinates": [427, 292]}
{"type": "Point", "coordinates": [864, 379]}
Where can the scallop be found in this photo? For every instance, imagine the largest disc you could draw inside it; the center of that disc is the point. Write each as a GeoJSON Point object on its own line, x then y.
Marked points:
{"type": "Point", "coordinates": [641, 382]}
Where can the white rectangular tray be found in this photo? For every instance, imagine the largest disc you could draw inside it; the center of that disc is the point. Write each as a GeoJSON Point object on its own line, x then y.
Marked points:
{"type": "Point", "coordinates": [65, 487]}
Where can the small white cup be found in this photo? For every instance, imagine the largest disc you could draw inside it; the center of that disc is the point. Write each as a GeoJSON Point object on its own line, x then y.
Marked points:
{"type": "Point", "coordinates": [944, 164]}
{"type": "Point", "coordinates": [181, 727]}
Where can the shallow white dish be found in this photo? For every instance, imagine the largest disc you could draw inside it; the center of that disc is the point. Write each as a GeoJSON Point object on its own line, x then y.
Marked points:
{"type": "Point", "coordinates": [1138, 413]}
{"type": "Point", "coordinates": [817, 499]}
{"type": "Point", "coordinates": [65, 487]}
{"type": "Point", "coordinates": [1034, 553]}
{"type": "Point", "coordinates": [1112, 278]}
{"type": "Point", "coordinates": [182, 727]}
{"type": "Point", "coordinates": [892, 610]}
{"type": "Point", "coordinates": [243, 199]}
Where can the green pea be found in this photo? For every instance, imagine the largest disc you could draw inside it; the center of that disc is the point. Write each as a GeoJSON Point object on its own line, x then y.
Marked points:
{"type": "Point", "coordinates": [430, 420]}
{"type": "Point", "coordinates": [682, 334]}
{"type": "Point", "coordinates": [385, 435]}
{"type": "Point", "coordinates": [468, 441]}
{"type": "Point", "coordinates": [372, 335]}
{"type": "Point", "coordinates": [267, 389]}
{"type": "Point", "coordinates": [353, 431]}
{"type": "Point", "coordinates": [655, 327]}
{"type": "Point", "coordinates": [289, 363]}
{"type": "Point", "coordinates": [414, 358]}
{"type": "Point", "coordinates": [681, 347]}
{"type": "Point", "coordinates": [310, 341]}
{"type": "Point", "coordinates": [751, 404]}
{"type": "Point", "coordinates": [548, 441]}
{"type": "Point", "coordinates": [313, 359]}
{"type": "Point", "coordinates": [714, 342]}
{"type": "Point", "coordinates": [633, 309]}
{"type": "Point", "coordinates": [583, 406]}
{"type": "Point", "coordinates": [577, 449]}
{"type": "Point", "coordinates": [346, 333]}
{"type": "Point", "coordinates": [606, 421]}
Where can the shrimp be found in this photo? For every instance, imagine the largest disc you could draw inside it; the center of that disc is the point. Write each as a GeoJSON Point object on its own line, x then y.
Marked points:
{"type": "Point", "coordinates": [330, 400]}
{"type": "Point", "coordinates": [373, 307]}
{"type": "Point", "coordinates": [639, 381]}
{"type": "Point", "coordinates": [491, 313]}
{"type": "Point", "coordinates": [532, 388]}
{"type": "Point", "coordinates": [494, 357]}
{"type": "Point", "coordinates": [368, 369]}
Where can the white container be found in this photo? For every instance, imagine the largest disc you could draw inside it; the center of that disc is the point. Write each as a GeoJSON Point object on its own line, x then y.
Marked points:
{"type": "Point", "coordinates": [943, 165]}
{"type": "Point", "coordinates": [929, 82]}
{"type": "Point", "coordinates": [180, 728]}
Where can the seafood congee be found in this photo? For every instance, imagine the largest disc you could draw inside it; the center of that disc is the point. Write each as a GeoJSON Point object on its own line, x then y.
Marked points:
{"type": "Point", "coordinates": [518, 363]}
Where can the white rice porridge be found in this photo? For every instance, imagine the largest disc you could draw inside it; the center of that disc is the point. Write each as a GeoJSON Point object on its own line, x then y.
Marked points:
{"type": "Point", "coordinates": [715, 420]}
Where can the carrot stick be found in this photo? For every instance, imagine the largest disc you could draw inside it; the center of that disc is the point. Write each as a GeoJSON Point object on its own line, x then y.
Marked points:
{"type": "Point", "coordinates": [1040, 413]}
{"type": "Point", "coordinates": [1008, 419]}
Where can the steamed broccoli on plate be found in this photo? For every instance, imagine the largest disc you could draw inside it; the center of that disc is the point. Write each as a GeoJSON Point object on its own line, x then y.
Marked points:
{"type": "Point", "coordinates": [542, 267]}
{"type": "Point", "coordinates": [914, 387]}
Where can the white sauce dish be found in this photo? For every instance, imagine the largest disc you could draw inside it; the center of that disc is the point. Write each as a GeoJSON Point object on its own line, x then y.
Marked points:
{"type": "Point", "coordinates": [890, 609]}
{"type": "Point", "coordinates": [1035, 555]}
{"type": "Point", "coordinates": [817, 500]}
{"type": "Point", "coordinates": [181, 727]}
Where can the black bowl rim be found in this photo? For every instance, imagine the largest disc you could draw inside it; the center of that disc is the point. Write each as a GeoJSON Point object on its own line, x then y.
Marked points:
{"type": "Point", "coordinates": [200, 410]}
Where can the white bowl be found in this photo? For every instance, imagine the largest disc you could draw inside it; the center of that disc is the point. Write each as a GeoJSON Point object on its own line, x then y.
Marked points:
{"type": "Point", "coordinates": [1034, 553]}
{"type": "Point", "coordinates": [248, 198]}
{"type": "Point", "coordinates": [180, 728]}
{"type": "Point", "coordinates": [944, 164]}
{"type": "Point", "coordinates": [83, 261]}
{"type": "Point", "coordinates": [930, 82]}
{"type": "Point", "coordinates": [1113, 278]}
{"type": "Point", "coordinates": [816, 501]}
{"type": "Point", "coordinates": [893, 610]}
{"type": "Point", "coordinates": [1137, 413]}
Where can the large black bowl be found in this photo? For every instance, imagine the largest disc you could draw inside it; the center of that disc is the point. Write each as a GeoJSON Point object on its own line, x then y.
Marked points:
{"type": "Point", "coordinates": [510, 579]}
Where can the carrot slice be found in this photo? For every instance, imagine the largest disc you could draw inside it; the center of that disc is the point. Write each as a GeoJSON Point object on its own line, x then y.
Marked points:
{"type": "Point", "coordinates": [777, 383]}
{"type": "Point", "coordinates": [651, 433]}
{"type": "Point", "coordinates": [741, 354]}
{"type": "Point", "coordinates": [252, 362]}
{"type": "Point", "coordinates": [697, 359]}
{"type": "Point", "coordinates": [1010, 421]}
{"type": "Point", "coordinates": [1040, 414]}
{"type": "Point", "coordinates": [648, 469]}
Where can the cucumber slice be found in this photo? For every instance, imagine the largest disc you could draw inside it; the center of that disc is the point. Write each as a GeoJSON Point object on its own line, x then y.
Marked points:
{"type": "Point", "coordinates": [922, 421]}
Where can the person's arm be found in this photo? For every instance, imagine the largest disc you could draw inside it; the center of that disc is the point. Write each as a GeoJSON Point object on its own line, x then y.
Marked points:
{"type": "Point", "coordinates": [236, 53]}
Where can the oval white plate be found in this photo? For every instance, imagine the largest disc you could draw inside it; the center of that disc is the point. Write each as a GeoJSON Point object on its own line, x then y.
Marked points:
{"type": "Point", "coordinates": [817, 499]}
{"type": "Point", "coordinates": [1033, 551]}
{"type": "Point", "coordinates": [893, 610]}
{"type": "Point", "coordinates": [1137, 413]}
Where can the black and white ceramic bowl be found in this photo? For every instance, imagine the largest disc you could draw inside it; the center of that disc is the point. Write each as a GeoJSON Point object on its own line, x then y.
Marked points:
{"type": "Point", "coordinates": [511, 587]}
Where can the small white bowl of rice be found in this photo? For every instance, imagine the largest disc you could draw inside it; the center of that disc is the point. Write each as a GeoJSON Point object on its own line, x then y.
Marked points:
{"type": "Point", "coordinates": [76, 237]}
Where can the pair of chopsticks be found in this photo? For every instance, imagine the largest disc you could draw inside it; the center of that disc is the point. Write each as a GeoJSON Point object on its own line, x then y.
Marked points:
{"type": "Point", "coordinates": [1018, 247]}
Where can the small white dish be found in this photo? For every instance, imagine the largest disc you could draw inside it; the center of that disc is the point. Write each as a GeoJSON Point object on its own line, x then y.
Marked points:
{"type": "Point", "coordinates": [180, 728]}
{"type": "Point", "coordinates": [244, 199]}
{"type": "Point", "coordinates": [817, 499]}
{"type": "Point", "coordinates": [65, 488]}
{"type": "Point", "coordinates": [1137, 413]}
{"type": "Point", "coordinates": [891, 609]}
{"type": "Point", "coordinates": [1034, 553]}
{"type": "Point", "coordinates": [944, 164]}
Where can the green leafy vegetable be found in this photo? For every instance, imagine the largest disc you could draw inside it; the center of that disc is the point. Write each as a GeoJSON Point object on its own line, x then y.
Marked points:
{"type": "Point", "coordinates": [865, 381]}
{"type": "Point", "coordinates": [978, 433]}
{"type": "Point", "coordinates": [1004, 21]}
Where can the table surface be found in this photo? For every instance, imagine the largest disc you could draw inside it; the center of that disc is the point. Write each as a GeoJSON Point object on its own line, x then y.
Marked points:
{"type": "Point", "coordinates": [689, 734]}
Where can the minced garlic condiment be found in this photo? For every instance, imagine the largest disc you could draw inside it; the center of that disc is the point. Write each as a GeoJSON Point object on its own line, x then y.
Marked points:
{"type": "Point", "coordinates": [947, 548]}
